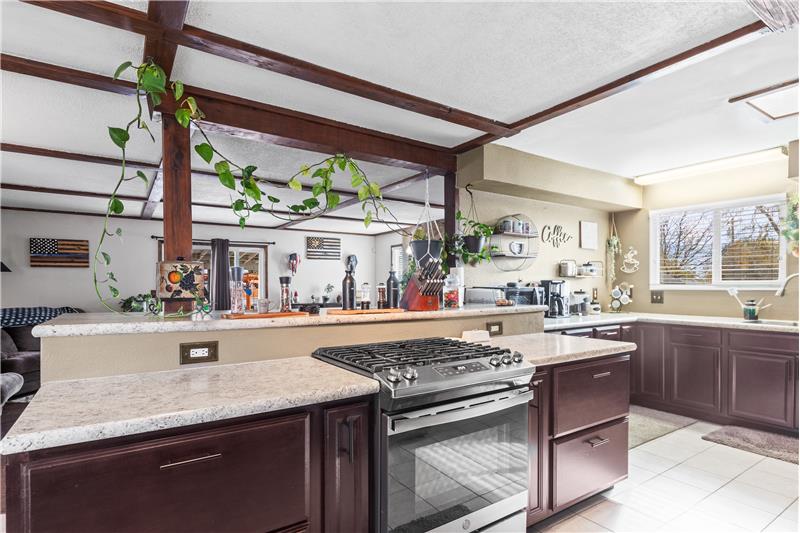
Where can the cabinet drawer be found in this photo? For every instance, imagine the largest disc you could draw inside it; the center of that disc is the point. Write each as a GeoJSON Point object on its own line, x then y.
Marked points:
{"type": "Point", "coordinates": [221, 480]}
{"type": "Point", "coordinates": [589, 393]}
{"type": "Point", "coordinates": [609, 333]}
{"type": "Point", "coordinates": [579, 332]}
{"type": "Point", "coordinates": [766, 341]}
{"type": "Point", "coordinates": [689, 335]}
{"type": "Point", "coordinates": [589, 461]}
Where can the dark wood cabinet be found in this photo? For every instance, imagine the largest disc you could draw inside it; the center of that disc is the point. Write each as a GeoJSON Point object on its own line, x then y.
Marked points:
{"type": "Point", "coordinates": [307, 469]}
{"type": "Point", "coordinates": [695, 376]}
{"type": "Point", "coordinates": [579, 332]}
{"type": "Point", "coordinates": [538, 449]}
{"type": "Point", "coordinates": [609, 333]}
{"type": "Point", "coordinates": [649, 362]}
{"type": "Point", "coordinates": [763, 387]}
{"type": "Point", "coordinates": [627, 333]}
{"type": "Point", "coordinates": [347, 468]}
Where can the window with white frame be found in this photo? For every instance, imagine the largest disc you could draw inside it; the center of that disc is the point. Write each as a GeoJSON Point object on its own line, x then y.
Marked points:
{"type": "Point", "coordinates": [715, 246]}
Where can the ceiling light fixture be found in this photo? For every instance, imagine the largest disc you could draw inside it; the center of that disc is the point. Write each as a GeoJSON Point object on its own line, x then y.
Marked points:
{"type": "Point", "coordinates": [774, 102]}
{"type": "Point", "coordinates": [763, 156]}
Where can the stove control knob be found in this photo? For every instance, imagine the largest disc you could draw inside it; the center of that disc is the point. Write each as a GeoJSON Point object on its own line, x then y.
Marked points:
{"type": "Point", "coordinates": [495, 361]}
{"type": "Point", "coordinates": [517, 357]}
{"type": "Point", "coordinates": [506, 359]}
{"type": "Point", "coordinates": [394, 375]}
{"type": "Point", "coordinates": [410, 373]}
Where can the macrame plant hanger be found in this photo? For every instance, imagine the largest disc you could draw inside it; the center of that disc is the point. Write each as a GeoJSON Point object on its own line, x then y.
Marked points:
{"type": "Point", "coordinates": [426, 218]}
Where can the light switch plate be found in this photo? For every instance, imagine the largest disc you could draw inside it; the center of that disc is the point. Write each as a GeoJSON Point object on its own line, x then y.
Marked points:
{"type": "Point", "coordinates": [656, 297]}
{"type": "Point", "coordinates": [199, 352]}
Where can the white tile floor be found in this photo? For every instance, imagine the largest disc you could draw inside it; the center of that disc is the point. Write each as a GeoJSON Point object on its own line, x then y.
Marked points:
{"type": "Point", "coordinates": [680, 482]}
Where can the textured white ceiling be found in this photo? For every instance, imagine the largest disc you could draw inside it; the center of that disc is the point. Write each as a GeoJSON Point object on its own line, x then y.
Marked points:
{"type": "Point", "coordinates": [354, 226]}
{"type": "Point", "coordinates": [64, 203]}
{"type": "Point", "coordinates": [416, 191]}
{"type": "Point", "coordinates": [677, 120]}
{"type": "Point", "coordinates": [226, 76]}
{"type": "Point", "coordinates": [501, 60]}
{"type": "Point", "coordinates": [22, 169]}
{"type": "Point", "coordinates": [280, 163]}
{"type": "Point", "coordinates": [35, 33]}
{"type": "Point", "coordinates": [49, 114]}
{"type": "Point", "coordinates": [405, 213]}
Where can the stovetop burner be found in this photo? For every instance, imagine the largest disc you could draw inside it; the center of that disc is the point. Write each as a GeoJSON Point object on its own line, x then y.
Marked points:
{"type": "Point", "coordinates": [375, 357]}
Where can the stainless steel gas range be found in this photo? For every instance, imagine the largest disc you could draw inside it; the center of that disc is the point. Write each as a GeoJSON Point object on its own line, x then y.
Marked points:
{"type": "Point", "coordinates": [453, 433]}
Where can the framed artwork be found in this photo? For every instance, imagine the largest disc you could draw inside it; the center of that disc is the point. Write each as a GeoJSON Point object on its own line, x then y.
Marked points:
{"type": "Point", "coordinates": [66, 253]}
{"type": "Point", "coordinates": [323, 248]}
{"type": "Point", "coordinates": [180, 279]}
{"type": "Point", "coordinates": [588, 235]}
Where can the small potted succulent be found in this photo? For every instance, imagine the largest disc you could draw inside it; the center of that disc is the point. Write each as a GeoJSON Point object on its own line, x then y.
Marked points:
{"type": "Point", "coordinates": [328, 291]}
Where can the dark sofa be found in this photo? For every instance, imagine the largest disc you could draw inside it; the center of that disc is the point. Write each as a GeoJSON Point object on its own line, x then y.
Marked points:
{"type": "Point", "coordinates": [20, 354]}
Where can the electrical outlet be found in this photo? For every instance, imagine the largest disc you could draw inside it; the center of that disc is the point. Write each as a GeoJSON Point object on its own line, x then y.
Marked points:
{"type": "Point", "coordinates": [494, 328]}
{"type": "Point", "coordinates": [199, 352]}
{"type": "Point", "coordinates": [656, 297]}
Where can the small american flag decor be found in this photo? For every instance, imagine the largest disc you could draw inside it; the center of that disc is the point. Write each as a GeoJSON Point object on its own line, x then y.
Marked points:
{"type": "Point", "coordinates": [59, 253]}
{"type": "Point", "coordinates": [323, 248]}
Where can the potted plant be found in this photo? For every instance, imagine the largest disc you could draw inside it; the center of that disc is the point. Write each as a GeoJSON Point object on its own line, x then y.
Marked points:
{"type": "Point", "coordinates": [424, 247]}
{"type": "Point", "coordinates": [328, 291]}
{"type": "Point", "coordinates": [135, 304]}
{"type": "Point", "coordinates": [474, 233]}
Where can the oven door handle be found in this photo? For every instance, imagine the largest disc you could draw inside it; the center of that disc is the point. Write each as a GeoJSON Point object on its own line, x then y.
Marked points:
{"type": "Point", "coordinates": [461, 411]}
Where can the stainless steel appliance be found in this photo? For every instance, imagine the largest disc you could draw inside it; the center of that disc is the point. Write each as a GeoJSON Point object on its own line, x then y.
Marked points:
{"type": "Point", "coordinates": [555, 294]}
{"type": "Point", "coordinates": [453, 433]}
{"type": "Point", "coordinates": [519, 295]}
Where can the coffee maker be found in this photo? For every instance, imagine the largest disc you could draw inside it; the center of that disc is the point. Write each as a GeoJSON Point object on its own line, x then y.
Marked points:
{"type": "Point", "coordinates": [555, 298]}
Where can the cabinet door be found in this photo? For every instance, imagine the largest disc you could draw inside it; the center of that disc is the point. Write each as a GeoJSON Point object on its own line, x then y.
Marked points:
{"type": "Point", "coordinates": [627, 333]}
{"type": "Point", "coordinates": [762, 387]}
{"type": "Point", "coordinates": [609, 333]}
{"type": "Point", "coordinates": [579, 332]}
{"type": "Point", "coordinates": [538, 444]}
{"type": "Point", "coordinates": [251, 477]}
{"type": "Point", "coordinates": [347, 468]}
{"type": "Point", "coordinates": [649, 365]}
{"type": "Point", "coordinates": [695, 373]}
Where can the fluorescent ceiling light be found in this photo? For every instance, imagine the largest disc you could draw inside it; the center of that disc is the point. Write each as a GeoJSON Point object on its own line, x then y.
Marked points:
{"type": "Point", "coordinates": [764, 156]}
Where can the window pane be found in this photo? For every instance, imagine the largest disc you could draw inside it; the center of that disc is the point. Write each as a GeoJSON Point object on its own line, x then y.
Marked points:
{"type": "Point", "coordinates": [203, 255]}
{"type": "Point", "coordinates": [686, 242]}
{"type": "Point", "coordinates": [750, 243]}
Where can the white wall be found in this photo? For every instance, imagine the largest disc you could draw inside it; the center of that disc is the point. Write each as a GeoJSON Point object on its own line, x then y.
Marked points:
{"type": "Point", "coordinates": [134, 259]}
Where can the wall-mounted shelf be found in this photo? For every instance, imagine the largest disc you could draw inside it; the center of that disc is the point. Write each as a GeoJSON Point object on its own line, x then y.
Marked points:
{"type": "Point", "coordinates": [515, 256]}
{"type": "Point", "coordinates": [512, 234]}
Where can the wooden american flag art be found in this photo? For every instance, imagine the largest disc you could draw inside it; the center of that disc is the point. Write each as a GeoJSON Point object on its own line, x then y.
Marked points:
{"type": "Point", "coordinates": [59, 253]}
{"type": "Point", "coordinates": [323, 248]}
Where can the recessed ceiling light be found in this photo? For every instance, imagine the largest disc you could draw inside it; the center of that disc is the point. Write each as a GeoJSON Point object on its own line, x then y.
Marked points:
{"type": "Point", "coordinates": [764, 156]}
{"type": "Point", "coordinates": [774, 102]}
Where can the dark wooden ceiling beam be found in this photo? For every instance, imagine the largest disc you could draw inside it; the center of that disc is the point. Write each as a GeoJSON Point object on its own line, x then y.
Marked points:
{"type": "Point", "coordinates": [242, 52]}
{"type": "Point", "coordinates": [389, 187]}
{"type": "Point", "coordinates": [252, 120]}
{"type": "Point", "coordinates": [624, 83]}
{"type": "Point", "coordinates": [168, 15]}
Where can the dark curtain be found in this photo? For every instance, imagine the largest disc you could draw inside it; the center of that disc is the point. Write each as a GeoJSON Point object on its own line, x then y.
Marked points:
{"type": "Point", "coordinates": [220, 273]}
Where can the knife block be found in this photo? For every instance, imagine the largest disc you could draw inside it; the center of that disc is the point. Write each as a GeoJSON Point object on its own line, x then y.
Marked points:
{"type": "Point", "coordinates": [413, 300]}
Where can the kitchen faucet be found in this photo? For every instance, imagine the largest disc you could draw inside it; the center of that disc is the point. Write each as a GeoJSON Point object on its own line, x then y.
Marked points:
{"type": "Point", "coordinates": [782, 290]}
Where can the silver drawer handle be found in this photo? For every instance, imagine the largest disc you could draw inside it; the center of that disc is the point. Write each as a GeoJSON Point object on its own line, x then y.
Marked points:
{"type": "Point", "coordinates": [190, 461]}
{"type": "Point", "coordinates": [602, 375]}
{"type": "Point", "coordinates": [598, 441]}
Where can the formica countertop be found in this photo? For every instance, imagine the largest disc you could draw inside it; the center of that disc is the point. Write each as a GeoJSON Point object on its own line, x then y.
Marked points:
{"type": "Point", "coordinates": [71, 412]}
{"type": "Point", "coordinates": [551, 348]}
{"type": "Point", "coordinates": [555, 324]}
{"type": "Point", "coordinates": [78, 411]}
{"type": "Point", "coordinates": [84, 324]}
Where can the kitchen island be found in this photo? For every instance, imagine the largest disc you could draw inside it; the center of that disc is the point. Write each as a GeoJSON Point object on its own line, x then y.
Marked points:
{"type": "Point", "coordinates": [87, 452]}
{"type": "Point", "coordinates": [84, 345]}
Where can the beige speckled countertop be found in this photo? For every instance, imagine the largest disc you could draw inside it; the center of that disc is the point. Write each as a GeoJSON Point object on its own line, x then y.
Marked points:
{"type": "Point", "coordinates": [783, 326]}
{"type": "Point", "coordinates": [550, 348]}
{"type": "Point", "coordinates": [71, 412]}
{"type": "Point", "coordinates": [83, 324]}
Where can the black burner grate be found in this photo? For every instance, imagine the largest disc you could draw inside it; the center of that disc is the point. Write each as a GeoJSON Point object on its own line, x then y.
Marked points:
{"type": "Point", "coordinates": [375, 357]}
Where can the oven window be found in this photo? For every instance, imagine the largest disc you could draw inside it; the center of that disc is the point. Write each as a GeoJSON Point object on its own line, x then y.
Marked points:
{"type": "Point", "coordinates": [442, 473]}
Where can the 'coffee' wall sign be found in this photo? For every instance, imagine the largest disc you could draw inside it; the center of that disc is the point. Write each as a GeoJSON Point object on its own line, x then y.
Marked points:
{"type": "Point", "coordinates": [555, 235]}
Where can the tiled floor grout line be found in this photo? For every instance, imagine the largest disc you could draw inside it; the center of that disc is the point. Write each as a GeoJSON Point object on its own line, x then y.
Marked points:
{"type": "Point", "coordinates": [779, 514]}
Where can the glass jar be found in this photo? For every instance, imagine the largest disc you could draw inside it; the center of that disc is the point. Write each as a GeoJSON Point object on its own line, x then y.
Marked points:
{"type": "Point", "coordinates": [381, 296]}
{"type": "Point", "coordinates": [286, 294]}
{"type": "Point", "coordinates": [451, 292]}
{"type": "Point", "coordinates": [365, 295]}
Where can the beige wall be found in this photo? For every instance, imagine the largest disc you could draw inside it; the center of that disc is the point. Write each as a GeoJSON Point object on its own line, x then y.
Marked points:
{"type": "Point", "coordinates": [493, 206]}
{"type": "Point", "coordinates": [108, 355]}
{"type": "Point", "coordinates": [753, 180]}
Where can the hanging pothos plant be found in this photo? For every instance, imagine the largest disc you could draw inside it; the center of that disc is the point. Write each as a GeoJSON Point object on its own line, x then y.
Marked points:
{"type": "Point", "coordinates": [247, 197]}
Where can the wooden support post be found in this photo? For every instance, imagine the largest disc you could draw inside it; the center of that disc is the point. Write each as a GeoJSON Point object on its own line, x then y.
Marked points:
{"type": "Point", "coordinates": [177, 198]}
{"type": "Point", "coordinates": [450, 209]}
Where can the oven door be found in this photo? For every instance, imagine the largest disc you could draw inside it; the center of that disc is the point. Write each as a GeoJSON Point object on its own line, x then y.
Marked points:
{"type": "Point", "coordinates": [460, 466]}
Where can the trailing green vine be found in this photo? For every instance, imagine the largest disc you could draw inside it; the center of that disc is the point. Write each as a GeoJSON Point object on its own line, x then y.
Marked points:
{"type": "Point", "coordinates": [249, 198]}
